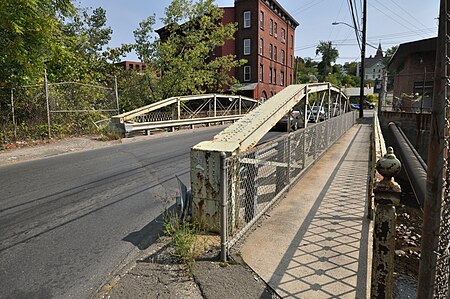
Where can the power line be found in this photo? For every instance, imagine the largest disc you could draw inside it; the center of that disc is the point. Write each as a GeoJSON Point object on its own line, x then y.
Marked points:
{"type": "Point", "coordinates": [374, 38]}
{"type": "Point", "coordinates": [394, 13]}
{"type": "Point", "coordinates": [355, 24]}
{"type": "Point", "coordinates": [410, 15]}
{"type": "Point", "coordinates": [337, 16]}
{"type": "Point", "coordinates": [306, 7]}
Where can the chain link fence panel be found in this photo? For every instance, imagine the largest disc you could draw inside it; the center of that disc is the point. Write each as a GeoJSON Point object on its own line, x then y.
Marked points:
{"type": "Point", "coordinates": [255, 180]}
{"type": "Point", "coordinates": [73, 108]}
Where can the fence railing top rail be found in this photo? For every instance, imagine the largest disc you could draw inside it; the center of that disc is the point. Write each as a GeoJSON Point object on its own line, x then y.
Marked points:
{"type": "Point", "coordinates": [245, 133]}
{"type": "Point", "coordinates": [169, 101]}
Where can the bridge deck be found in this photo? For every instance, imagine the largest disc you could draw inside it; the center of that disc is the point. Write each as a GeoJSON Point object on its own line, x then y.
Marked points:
{"type": "Point", "coordinates": [316, 242]}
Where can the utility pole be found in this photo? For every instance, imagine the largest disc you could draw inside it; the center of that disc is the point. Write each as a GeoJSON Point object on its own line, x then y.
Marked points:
{"type": "Point", "coordinates": [363, 55]}
{"type": "Point", "coordinates": [434, 264]}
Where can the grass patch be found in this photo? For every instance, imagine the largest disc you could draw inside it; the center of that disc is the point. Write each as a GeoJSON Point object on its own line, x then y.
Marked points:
{"type": "Point", "coordinates": [189, 240]}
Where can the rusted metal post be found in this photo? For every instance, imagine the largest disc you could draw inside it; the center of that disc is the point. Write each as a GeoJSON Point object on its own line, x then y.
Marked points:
{"type": "Point", "coordinates": [387, 196]}
{"type": "Point", "coordinates": [437, 155]}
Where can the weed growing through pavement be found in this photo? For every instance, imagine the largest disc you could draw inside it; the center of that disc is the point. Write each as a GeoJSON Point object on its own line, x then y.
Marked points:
{"type": "Point", "coordinates": [183, 235]}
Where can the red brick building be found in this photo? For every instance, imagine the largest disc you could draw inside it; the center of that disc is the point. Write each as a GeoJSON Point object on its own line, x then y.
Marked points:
{"type": "Point", "coordinates": [413, 64]}
{"type": "Point", "coordinates": [132, 65]}
{"type": "Point", "coordinates": [265, 38]}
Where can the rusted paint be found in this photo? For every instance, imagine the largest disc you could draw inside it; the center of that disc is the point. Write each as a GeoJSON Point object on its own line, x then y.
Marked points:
{"type": "Point", "coordinates": [243, 135]}
{"type": "Point", "coordinates": [387, 196]}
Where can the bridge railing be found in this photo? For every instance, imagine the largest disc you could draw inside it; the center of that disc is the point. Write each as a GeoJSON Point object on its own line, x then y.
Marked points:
{"type": "Point", "coordinates": [256, 179]}
{"type": "Point", "coordinates": [184, 111]}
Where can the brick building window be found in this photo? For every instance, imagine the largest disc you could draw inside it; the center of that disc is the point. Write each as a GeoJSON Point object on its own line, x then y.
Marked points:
{"type": "Point", "coordinates": [247, 19]}
{"type": "Point", "coordinates": [274, 76]}
{"type": "Point", "coordinates": [247, 46]}
{"type": "Point", "coordinates": [292, 41]}
{"type": "Point", "coordinates": [290, 61]}
{"type": "Point", "coordinates": [282, 57]}
{"type": "Point", "coordinates": [290, 78]}
{"type": "Point", "coordinates": [275, 29]}
{"type": "Point", "coordinates": [247, 73]}
{"type": "Point", "coordinates": [261, 73]}
{"type": "Point", "coordinates": [275, 53]}
{"type": "Point", "coordinates": [271, 51]}
{"type": "Point", "coordinates": [282, 78]}
{"type": "Point", "coordinates": [271, 27]}
{"type": "Point", "coordinates": [270, 75]}
{"type": "Point", "coordinates": [261, 20]}
{"type": "Point", "coordinates": [283, 35]}
{"type": "Point", "coordinates": [261, 46]}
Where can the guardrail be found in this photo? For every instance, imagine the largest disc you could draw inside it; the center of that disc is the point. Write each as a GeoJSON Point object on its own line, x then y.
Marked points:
{"type": "Point", "coordinates": [172, 124]}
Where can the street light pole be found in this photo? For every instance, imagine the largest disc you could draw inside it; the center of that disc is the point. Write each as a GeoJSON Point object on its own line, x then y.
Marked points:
{"type": "Point", "coordinates": [363, 55]}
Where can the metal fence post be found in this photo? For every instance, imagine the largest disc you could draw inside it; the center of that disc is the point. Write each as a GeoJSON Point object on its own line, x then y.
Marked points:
{"type": "Point", "coordinates": [240, 105]}
{"type": "Point", "coordinates": [13, 114]}
{"type": "Point", "coordinates": [387, 196]}
{"type": "Point", "coordinates": [280, 171]}
{"type": "Point", "coordinates": [47, 102]}
{"type": "Point", "coordinates": [178, 109]}
{"type": "Point", "coordinates": [224, 212]}
{"type": "Point", "coordinates": [251, 188]}
{"type": "Point", "coordinates": [116, 91]}
{"type": "Point", "coordinates": [288, 169]}
{"type": "Point", "coordinates": [306, 116]}
{"type": "Point", "coordinates": [314, 142]}
{"type": "Point", "coordinates": [215, 105]}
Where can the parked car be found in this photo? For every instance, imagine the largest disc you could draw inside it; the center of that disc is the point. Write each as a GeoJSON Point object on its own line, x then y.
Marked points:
{"type": "Point", "coordinates": [317, 114]}
{"type": "Point", "coordinates": [354, 106]}
{"type": "Point", "coordinates": [296, 119]}
{"type": "Point", "coordinates": [368, 104]}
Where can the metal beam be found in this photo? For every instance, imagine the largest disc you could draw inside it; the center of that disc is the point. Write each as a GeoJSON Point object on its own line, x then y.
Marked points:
{"type": "Point", "coordinates": [245, 133]}
{"type": "Point", "coordinates": [170, 101]}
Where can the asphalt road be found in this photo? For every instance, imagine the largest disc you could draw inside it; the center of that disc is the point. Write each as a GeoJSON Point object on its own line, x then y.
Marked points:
{"type": "Point", "coordinates": [67, 222]}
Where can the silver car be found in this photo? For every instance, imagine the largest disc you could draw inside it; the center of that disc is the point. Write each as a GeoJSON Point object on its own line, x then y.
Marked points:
{"type": "Point", "coordinates": [317, 114]}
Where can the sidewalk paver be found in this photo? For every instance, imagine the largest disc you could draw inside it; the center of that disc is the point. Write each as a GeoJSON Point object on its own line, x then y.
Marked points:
{"type": "Point", "coordinates": [316, 242]}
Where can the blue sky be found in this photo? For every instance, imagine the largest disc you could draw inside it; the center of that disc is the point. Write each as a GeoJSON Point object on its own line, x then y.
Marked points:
{"type": "Point", "coordinates": [389, 21]}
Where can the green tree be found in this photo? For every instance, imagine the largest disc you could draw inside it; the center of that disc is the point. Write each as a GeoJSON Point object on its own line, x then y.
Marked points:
{"type": "Point", "coordinates": [184, 56]}
{"type": "Point", "coordinates": [306, 70]}
{"type": "Point", "coordinates": [329, 55]}
{"type": "Point", "coordinates": [350, 68]}
{"type": "Point", "coordinates": [30, 33]}
{"type": "Point", "coordinates": [82, 58]}
{"type": "Point", "coordinates": [388, 55]}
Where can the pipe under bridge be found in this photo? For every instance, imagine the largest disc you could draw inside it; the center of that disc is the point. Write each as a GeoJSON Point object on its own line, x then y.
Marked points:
{"type": "Point", "coordinates": [208, 179]}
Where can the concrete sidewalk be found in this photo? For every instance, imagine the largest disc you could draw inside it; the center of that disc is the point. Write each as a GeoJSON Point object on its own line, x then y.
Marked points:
{"type": "Point", "coordinates": [315, 244]}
